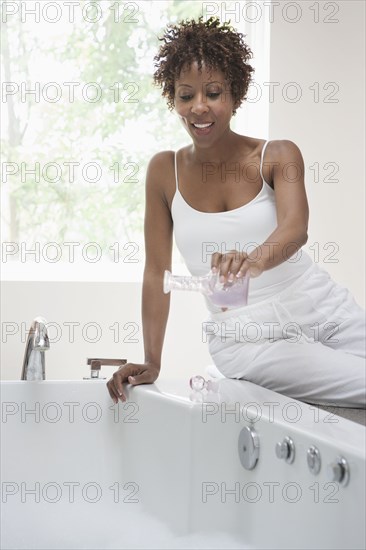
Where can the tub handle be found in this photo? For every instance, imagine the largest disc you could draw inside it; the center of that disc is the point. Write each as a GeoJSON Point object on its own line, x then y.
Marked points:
{"type": "Point", "coordinates": [96, 363]}
{"type": "Point", "coordinates": [248, 447]}
{"type": "Point", "coordinates": [285, 450]}
{"type": "Point", "coordinates": [339, 471]}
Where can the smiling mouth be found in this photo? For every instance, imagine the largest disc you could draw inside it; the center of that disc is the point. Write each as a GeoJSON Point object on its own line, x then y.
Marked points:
{"type": "Point", "coordinates": [203, 125]}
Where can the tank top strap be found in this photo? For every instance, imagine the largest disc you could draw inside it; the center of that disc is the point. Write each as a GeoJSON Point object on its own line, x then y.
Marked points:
{"type": "Point", "coordinates": [175, 170]}
{"type": "Point", "coordinates": [262, 157]}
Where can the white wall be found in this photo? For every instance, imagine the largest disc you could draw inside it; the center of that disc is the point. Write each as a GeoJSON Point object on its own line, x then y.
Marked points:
{"type": "Point", "coordinates": [304, 52]}
{"type": "Point", "coordinates": [96, 307]}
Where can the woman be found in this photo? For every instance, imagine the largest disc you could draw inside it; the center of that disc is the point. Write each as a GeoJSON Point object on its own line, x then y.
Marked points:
{"type": "Point", "coordinates": [238, 204]}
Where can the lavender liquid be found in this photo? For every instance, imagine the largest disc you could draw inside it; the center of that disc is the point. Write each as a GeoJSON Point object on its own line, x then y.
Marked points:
{"type": "Point", "coordinates": [233, 294]}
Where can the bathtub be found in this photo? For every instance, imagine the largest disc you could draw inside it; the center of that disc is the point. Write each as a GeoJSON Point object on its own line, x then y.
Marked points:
{"type": "Point", "coordinates": [163, 470]}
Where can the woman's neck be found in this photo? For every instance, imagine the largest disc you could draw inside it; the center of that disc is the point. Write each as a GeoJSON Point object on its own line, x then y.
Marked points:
{"type": "Point", "coordinates": [221, 151]}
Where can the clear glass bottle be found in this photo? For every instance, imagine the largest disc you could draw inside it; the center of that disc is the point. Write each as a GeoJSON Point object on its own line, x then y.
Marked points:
{"type": "Point", "coordinates": [230, 294]}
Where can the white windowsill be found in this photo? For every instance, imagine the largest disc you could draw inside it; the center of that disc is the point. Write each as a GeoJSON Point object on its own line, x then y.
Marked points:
{"type": "Point", "coordinates": [78, 272]}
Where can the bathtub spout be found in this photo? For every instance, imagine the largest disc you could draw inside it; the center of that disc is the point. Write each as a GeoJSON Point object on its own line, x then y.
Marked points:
{"type": "Point", "coordinates": [37, 344]}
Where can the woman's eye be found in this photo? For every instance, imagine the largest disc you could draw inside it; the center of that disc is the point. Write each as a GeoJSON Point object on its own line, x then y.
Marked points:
{"type": "Point", "coordinates": [211, 95]}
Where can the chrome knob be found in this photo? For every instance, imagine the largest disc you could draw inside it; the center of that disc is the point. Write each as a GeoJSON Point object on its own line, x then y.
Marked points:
{"type": "Point", "coordinates": [282, 450]}
{"type": "Point", "coordinates": [96, 363]}
{"type": "Point", "coordinates": [313, 459]}
{"type": "Point", "coordinates": [286, 450]}
{"type": "Point", "coordinates": [248, 447]}
{"type": "Point", "coordinates": [338, 471]}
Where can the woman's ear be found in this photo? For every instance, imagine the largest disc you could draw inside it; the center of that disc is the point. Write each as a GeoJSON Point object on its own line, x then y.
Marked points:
{"type": "Point", "coordinates": [236, 106]}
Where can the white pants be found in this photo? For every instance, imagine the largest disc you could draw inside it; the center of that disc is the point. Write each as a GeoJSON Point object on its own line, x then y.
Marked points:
{"type": "Point", "coordinates": [306, 342]}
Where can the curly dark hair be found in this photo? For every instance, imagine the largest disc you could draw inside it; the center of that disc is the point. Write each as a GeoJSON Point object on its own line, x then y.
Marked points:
{"type": "Point", "coordinates": [218, 46]}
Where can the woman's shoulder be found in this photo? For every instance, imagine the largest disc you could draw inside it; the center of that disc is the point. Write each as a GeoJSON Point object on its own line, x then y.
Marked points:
{"type": "Point", "coordinates": [159, 166]}
{"type": "Point", "coordinates": [281, 153]}
{"type": "Point", "coordinates": [273, 147]}
{"type": "Point", "coordinates": [273, 154]}
{"type": "Point", "coordinates": [162, 158]}
{"type": "Point", "coordinates": [160, 175]}
{"type": "Point", "coordinates": [280, 147]}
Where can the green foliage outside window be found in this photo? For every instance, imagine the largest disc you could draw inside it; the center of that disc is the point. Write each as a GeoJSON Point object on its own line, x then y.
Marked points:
{"type": "Point", "coordinates": [114, 135]}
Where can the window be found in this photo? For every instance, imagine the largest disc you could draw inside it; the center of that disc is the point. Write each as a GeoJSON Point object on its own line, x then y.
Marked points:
{"type": "Point", "coordinates": [81, 120]}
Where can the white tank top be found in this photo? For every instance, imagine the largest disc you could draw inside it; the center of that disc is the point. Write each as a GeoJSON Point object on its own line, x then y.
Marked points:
{"type": "Point", "coordinates": [199, 234]}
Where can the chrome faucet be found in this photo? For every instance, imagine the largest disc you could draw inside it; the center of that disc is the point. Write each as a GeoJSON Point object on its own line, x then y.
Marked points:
{"type": "Point", "coordinates": [95, 364]}
{"type": "Point", "coordinates": [37, 344]}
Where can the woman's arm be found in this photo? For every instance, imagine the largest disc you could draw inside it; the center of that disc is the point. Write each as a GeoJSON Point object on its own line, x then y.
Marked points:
{"type": "Point", "coordinates": [155, 304]}
{"type": "Point", "coordinates": [292, 207]}
{"type": "Point", "coordinates": [158, 257]}
{"type": "Point", "coordinates": [292, 216]}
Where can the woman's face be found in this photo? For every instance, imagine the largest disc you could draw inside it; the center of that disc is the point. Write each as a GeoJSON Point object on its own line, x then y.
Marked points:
{"type": "Point", "coordinates": [204, 103]}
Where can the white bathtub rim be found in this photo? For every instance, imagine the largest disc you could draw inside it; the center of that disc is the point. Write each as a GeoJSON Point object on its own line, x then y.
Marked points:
{"type": "Point", "coordinates": [347, 434]}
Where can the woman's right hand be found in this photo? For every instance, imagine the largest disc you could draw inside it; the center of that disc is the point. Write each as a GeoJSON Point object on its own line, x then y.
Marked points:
{"type": "Point", "coordinates": [134, 374]}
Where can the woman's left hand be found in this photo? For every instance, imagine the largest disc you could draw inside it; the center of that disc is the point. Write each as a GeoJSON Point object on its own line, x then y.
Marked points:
{"type": "Point", "coordinates": [235, 264]}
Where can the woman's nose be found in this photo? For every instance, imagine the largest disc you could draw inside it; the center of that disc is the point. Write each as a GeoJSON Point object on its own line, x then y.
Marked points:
{"type": "Point", "coordinates": [199, 105]}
